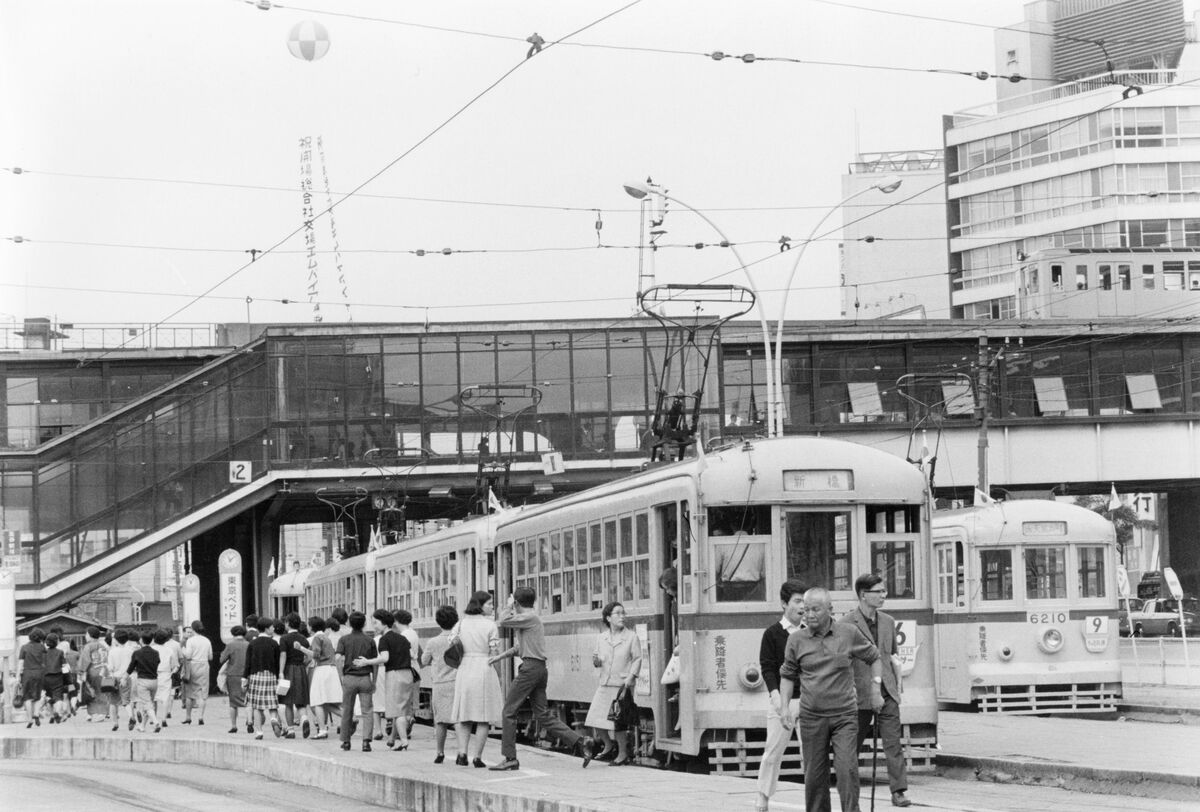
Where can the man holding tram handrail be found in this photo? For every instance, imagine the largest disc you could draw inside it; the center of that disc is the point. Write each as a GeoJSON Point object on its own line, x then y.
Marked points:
{"type": "Point", "coordinates": [880, 629]}
{"type": "Point", "coordinates": [819, 657]}
{"type": "Point", "coordinates": [770, 658]}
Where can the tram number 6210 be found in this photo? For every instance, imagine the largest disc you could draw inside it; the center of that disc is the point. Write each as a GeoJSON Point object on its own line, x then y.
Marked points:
{"type": "Point", "coordinates": [1047, 617]}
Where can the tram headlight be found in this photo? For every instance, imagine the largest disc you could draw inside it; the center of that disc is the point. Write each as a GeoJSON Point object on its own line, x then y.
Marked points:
{"type": "Point", "coordinates": [750, 676]}
{"type": "Point", "coordinates": [1050, 641]}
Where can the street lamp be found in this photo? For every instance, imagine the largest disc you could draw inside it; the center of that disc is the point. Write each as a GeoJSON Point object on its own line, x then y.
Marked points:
{"type": "Point", "coordinates": [640, 191]}
{"type": "Point", "coordinates": [887, 184]}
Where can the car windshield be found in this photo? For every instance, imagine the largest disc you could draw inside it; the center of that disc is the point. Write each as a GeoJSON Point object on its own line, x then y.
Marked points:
{"type": "Point", "coordinates": [1135, 604]}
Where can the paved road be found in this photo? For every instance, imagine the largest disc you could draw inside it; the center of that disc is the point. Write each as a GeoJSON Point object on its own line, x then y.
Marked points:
{"type": "Point", "coordinates": [56, 786]}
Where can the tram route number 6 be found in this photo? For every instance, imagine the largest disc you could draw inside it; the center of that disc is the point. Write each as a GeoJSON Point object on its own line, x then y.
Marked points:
{"type": "Point", "coordinates": [239, 472]}
{"type": "Point", "coordinates": [1047, 617]}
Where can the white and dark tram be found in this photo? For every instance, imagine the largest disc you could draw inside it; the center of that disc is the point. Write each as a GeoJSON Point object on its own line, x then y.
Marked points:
{"type": "Point", "coordinates": [1025, 608]}
{"type": "Point", "coordinates": [729, 526]}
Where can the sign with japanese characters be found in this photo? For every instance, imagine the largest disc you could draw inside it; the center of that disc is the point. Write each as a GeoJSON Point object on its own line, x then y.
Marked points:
{"type": "Point", "coordinates": [229, 573]}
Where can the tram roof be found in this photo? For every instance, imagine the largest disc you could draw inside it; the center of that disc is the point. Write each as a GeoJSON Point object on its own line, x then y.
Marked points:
{"type": "Point", "coordinates": [1008, 522]}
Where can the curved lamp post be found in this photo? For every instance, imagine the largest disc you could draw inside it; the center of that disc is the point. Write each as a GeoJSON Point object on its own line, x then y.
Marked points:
{"type": "Point", "coordinates": [887, 184]}
{"type": "Point", "coordinates": [640, 191]}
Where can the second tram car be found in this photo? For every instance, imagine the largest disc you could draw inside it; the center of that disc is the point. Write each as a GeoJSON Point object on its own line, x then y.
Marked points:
{"type": "Point", "coordinates": [1025, 608]}
{"type": "Point", "coordinates": [725, 529]}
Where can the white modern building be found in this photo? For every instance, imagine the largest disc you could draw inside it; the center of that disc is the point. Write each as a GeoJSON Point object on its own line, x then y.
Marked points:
{"type": "Point", "coordinates": [893, 259]}
{"type": "Point", "coordinates": [1077, 193]}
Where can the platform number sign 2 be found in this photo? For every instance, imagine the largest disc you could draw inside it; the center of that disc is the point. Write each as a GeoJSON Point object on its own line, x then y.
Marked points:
{"type": "Point", "coordinates": [239, 472]}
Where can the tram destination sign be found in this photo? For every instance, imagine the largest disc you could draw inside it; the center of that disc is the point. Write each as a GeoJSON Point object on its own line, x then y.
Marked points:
{"type": "Point", "coordinates": [820, 479]}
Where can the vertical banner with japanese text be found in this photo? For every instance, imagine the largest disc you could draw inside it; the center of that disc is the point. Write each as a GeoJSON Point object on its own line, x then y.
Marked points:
{"type": "Point", "coordinates": [229, 571]}
{"type": "Point", "coordinates": [306, 217]}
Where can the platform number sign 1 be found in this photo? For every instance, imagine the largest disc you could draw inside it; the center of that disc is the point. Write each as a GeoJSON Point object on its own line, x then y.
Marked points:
{"type": "Point", "coordinates": [239, 472]}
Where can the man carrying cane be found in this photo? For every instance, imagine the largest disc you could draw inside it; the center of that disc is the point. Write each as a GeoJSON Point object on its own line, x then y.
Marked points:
{"type": "Point", "coordinates": [880, 629]}
{"type": "Point", "coordinates": [819, 656]}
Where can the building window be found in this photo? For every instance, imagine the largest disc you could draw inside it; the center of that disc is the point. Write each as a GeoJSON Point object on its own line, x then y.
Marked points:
{"type": "Point", "coordinates": [1051, 396]}
{"type": "Point", "coordinates": [1143, 392]}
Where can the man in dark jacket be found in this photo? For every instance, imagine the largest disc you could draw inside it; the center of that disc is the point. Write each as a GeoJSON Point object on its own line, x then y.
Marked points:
{"type": "Point", "coordinates": [880, 629]}
{"type": "Point", "coordinates": [770, 657]}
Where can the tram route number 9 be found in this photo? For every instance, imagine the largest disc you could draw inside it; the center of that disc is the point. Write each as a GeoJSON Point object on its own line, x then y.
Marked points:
{"type": "Point", "coordinates": [1047, 617]}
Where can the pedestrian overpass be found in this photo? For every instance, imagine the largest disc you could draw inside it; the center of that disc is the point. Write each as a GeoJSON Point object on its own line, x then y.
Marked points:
{"type": "Point", "coordinates": [224, 455]}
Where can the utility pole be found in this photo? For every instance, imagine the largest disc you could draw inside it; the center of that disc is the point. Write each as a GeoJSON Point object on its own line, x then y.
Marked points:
{"type": "Point", "coordinates": [981, 412]}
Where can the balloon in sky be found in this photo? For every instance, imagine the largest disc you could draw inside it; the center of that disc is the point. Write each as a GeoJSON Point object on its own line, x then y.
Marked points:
{"type": "Point", "coordinates": [308, 40]}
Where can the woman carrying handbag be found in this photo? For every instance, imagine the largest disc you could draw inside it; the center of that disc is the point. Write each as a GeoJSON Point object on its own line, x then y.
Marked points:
{"type": "Point", "coordinates": [618, 655]}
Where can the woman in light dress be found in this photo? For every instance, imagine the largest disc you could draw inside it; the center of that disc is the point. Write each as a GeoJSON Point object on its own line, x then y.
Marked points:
{"type": "Point", "coordinates": [618, 655]}
{"type": "Point", "coordinates": [433, 658]}
{"type": "Point", "coordinates": [325, 686]}
{"type": "Point", "coordinates": [92, 662]}
{"type": "Point", "coordinates": [478, 702]}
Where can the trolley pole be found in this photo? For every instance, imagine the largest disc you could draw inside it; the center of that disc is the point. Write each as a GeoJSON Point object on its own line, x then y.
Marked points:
{"type": "Point", "coordinates": [981, 411]}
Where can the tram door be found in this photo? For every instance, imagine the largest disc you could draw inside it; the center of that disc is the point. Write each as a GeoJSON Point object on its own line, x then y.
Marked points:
{"type": "Point", "coordinates": [500, 584]}
{"type": "Point", "coordinates": [950, 609]}
{"type": "Point", "coordinates": [664, 640]}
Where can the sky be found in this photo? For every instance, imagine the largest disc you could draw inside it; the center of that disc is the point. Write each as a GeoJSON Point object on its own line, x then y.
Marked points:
{"type": "Point", "coordinates": [160, 142]}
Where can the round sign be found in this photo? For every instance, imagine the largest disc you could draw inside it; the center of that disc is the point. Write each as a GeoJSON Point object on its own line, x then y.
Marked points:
{"type": "Point", "coordinates": [308, 40]}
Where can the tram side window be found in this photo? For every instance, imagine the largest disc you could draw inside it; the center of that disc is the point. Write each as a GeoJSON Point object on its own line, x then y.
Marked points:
{"type": "Point", "coordinates": [893, 562]}
{"type": "Point", "coordinates": [1045, 573]}
{"type": "Point", "coordinates": [996, 575]}
{"type": "Point", "coordinates": [1091, 572]}
{"type": "Point", "coordinates": [818, 548]}
{"type": "Point", "coordinates": [739, 538]}
{"type": "Point", "coordinates": [950, 575]}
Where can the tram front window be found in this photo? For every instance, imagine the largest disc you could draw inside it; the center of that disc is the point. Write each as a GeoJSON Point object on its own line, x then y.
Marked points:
{"type": "Point", "coordinates": [995, 567]}
{"type": "Point", "coordinates": [818, 548]}
{"type": "Point", "coordinates": [739, 538]}
{"type": "Point", "coordinates": [1046, 573]}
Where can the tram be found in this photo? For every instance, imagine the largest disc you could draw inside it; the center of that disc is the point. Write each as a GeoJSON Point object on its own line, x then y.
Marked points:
{"type": "Point", "coordinates": [723, 529]}
{"type": "Point", "coordinates": [1043, 643]}
{"type": "Point", "coordinates": [729, 527]}
{"type": "Point", "coordinates": [286, 593]}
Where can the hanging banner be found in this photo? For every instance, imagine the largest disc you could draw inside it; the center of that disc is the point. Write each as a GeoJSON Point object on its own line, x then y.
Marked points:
{"type": "Point", "coordinates": [229, 573]}
{"type": "Point", "coordinates": [306, 217]}
{"type": "Point", "coordinates": [337, 249]}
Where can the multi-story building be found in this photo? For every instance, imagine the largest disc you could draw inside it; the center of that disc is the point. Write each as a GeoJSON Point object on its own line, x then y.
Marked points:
{"type": "Point", "coordinates": [1090, 171]}
{"type": "Point", "coordinates": [893, 248]}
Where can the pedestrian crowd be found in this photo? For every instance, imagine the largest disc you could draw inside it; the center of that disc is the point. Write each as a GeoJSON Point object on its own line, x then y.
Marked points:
{"type": "Point", "coordinates": [325, 677]}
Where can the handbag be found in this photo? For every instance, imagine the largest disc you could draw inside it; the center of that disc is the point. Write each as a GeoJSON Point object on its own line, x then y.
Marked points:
{"type": "Point", "coordinates": [283, 686]}
{"type": "Point", "coordinates": [454, 654]}
{"type": "Point", "coordinates": [108, 685]}
{"type": "Point", "coordinates": [671, 672]}
{"type": "Point", "coordinates": [223, 678]}
{"type": "Point", "coordinates": [622, 711]}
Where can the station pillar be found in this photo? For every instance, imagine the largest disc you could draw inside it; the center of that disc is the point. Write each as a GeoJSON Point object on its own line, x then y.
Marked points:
{"type": "Point", "coordinates": [1181, 547]}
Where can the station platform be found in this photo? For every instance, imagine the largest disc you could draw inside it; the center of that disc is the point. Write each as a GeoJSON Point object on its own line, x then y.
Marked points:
{"type": "Point", "coordinates": [986, 764]}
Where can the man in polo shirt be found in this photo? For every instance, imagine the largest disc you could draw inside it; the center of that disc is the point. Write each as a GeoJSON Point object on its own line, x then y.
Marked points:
{"type": "Point", "coordinates": [358, 681]}
{"type": "Point", "coordinates": [880, 629]}
{"type": "Point", "coordinates": [819, 657]}
{"type": "Point", "coordinates": [530, 682]}
{"type": "Point", "coordinates": [770, 658]}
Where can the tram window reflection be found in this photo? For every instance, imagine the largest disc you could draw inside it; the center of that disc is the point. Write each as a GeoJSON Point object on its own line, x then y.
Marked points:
{"type": "Point", "coordinates": [893, 562]}
{"type": "Point", "coordinates": [1091, 572]}
{"type": "Point", "coordinates": [996, 571]}
{"type": "Point", "coordinates": [1045, 573]}
{"type": "Point", "coordinates": [818, 548]}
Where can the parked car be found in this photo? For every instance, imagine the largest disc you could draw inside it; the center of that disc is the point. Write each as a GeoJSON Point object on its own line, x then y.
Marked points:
{"type": "Point", "coordinates": [1161, 616]}
{"type": "Point", "coordinates": [1135, 605]}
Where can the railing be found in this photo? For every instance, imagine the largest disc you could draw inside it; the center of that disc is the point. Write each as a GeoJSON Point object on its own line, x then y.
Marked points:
{"type": "Point", "coordinates": [1149, 661]}
{"type": "Point", "coordinates": [1117, 79]}
{"type": "Point", "coordinates": [64, 336]}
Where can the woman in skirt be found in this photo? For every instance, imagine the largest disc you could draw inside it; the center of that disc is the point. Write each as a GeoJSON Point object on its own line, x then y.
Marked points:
{"type": "Point", "coordinates": [261, 678]}
{"type": "Point", "coordinates": [292, 668]}
{"type": "Point", "coordinates": [433, 657]}
{"type": "Point", "coordinates": [618, 655]}
{"type": "Point", "coordinates": [92, 662]}
{"type": "Point", "coordinates": [325, 686]}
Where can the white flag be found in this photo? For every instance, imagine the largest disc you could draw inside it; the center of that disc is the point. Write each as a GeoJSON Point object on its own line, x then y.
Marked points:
{"type": "Point", "coordinates": [493, 502]}
{"type": "Point", "coordinates": [1114, 501]}
{"type": "Point", "coordinates": [271, 569]}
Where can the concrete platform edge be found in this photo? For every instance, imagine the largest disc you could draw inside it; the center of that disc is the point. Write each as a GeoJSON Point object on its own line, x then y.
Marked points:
{"type": "Point", "coordinates": [326, 773]}
{"type": "Point", "coordinates": [1050, 772]}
